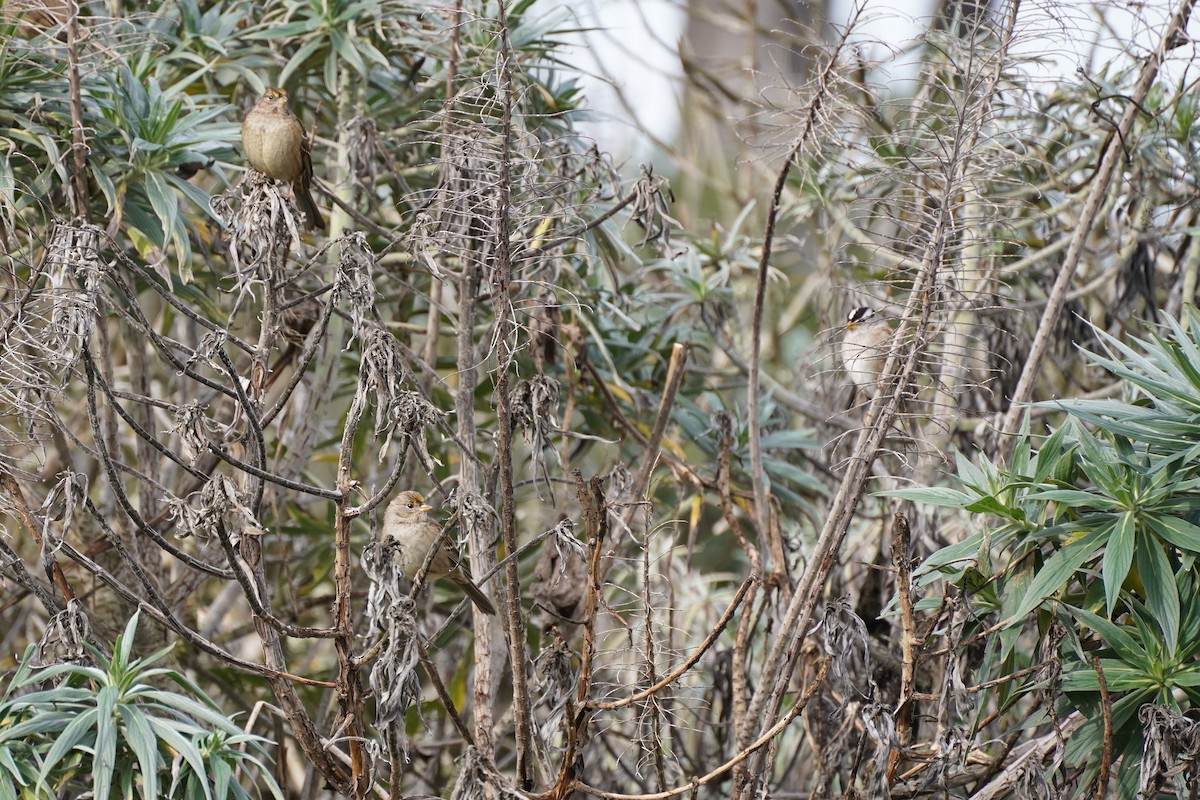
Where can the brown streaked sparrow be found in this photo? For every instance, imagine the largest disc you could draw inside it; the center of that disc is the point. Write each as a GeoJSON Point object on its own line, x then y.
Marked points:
{"type": "Point", "coordinates": [408, 524]}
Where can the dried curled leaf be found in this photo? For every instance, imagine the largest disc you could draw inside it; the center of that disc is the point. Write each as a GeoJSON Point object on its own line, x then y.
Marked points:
{"type": "Point", "coordinates": [354, 280]}
{"type": "Point", "coordinates": [192, 426]}
{"type": "Point", "coordinates": [73, 272]}
{"type": "Point", "coordinates": [65, 636]}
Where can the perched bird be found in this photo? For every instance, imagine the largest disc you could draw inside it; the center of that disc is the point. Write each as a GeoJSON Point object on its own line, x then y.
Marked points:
{"type": "Point", "coordinates": [276, 145]}
{"type": "Point", "coordinates": [407, 523]}
{"type": "Point", "coordinates": [865, 348]}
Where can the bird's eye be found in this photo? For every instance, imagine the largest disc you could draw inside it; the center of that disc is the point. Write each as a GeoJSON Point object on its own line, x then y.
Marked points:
{"type": "Point", "coordinates": [410, 504]}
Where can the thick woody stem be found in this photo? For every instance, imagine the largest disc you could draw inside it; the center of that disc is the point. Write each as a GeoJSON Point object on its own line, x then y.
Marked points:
{"type": "Point", "coordinates": [578, 711]}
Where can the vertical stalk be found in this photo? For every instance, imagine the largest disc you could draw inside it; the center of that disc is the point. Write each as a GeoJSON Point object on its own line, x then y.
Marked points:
{"type": "Point", "coordinates": [767, 529]}
{"type": "Point", "coordinates": [433, 322]}
{"type": "Point", "coordinates": [511, 599]}
{"type": "Point", "coordinates": [79, 191]}
{"type": "Point", "coordinates": [469, 483]}
{"type": "Point", "coordinates": [349, 681]}
{"type": "Point", "coordinates": [906, 351]}
{"type": "Point", "coordinates": [351, 699]}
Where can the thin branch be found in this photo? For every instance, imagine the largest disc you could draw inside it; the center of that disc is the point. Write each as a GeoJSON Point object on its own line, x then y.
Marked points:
{"type": "Point", "coordinates": [720, 772]}
{"type": "Point", "coordinates": [675, 375]}
{"type": "Point", "coordinates": [687, 664]}
{"type": "Point", "coordinates": [79, 147]}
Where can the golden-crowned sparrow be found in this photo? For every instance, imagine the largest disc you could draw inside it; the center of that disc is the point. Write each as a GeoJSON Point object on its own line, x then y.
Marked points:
{"type": "Point", "coordinates": [407, 523]}
{"type": "Point", "coordinates": [276, 145]}
{"type": "Point", "coordinates": [865, 348]}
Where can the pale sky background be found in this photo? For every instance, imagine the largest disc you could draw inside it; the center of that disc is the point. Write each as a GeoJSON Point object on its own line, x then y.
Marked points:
{"type": "Point", "coordinates": [635, 46]}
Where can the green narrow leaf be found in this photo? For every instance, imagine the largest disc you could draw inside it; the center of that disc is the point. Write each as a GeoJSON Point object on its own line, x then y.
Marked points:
{"type": "Point", "coordinates": [1077, 499]}
{"type": "Point", "coordinates": [346, 49]}
{"type": "Point", "coordinates": [163, 201]}
{"type": "Point", "coordinates": [140, 739]}
{"type": "Point", "coordinates": [1118, 556]}
{"type": "Point", "coordinates": [1177, 531]}
{"type": "Point", "coordinates": [990, 505]}
{"type": "Point", "coordinates": [932, 495]}
{"type": "Point", "coordinates": [1117, 674]}
{"type": "Point", "coordinates": [1056, 571]}
{"type": "Point", "coordinates": [76, 732]}
{"type": "Point", "coordinates": [1187, 678]}
{"type": "Point", "coordinates": [1161, 594]}
{"type": "Point", "coordinates": [104, 757]}
{"type": "Point", "coordinates": [297, 60]}
{"type": "Point", "coordinates": [125, 642]}
{"type": "Point", "coordinates": [331, 71]}
{"type": "Point", "coordinates": [221, 775]}
{"type": "Point", "coordinates": [183, 748]}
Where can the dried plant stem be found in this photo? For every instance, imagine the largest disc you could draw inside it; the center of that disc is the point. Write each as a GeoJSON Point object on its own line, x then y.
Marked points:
{"type": "Point", "coordinates": [511, 599]}
{"type": "Point", "coordinates": [1106, 712]}
{"type": "Point", "coordinates": [79, 191]}
{"type": "Point", "coordinates": [578, 714]}
{"type": "Point", "coordinates": [686, 665]}
{"type": "Point", "coordinates": [614, 406]}
{"type": "Point", "coordinates": [649, 703]}
{"type": "Point", "coordinates": [758, 477]}
{"type": "Point", "coordinates": [675, 373]}
{"type": "Point", "coordinates": [1115, 151]}
{"type": "Point", "coordinates": [443, 695]}
{"type": "Point", "coordinates": [1030, 755]}
{"type": "Point", "coordinates": [166, 620]}
{"type": "Point", "coordinates": [436, 288]}
{"type": "Point", "coordinates": [350, 695]}
{"type": "Point", "coordinates": [13, 489]}
{"type": "Point", "coordinates": [908, 638]}
{"type": "Point", "coordinates": [739, 679]}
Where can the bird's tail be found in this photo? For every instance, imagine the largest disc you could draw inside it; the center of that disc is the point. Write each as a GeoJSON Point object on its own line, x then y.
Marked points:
{"type": "Point", "coordinates": [477, 596]}
{"type": "Point", "coordinates": [304, 200]}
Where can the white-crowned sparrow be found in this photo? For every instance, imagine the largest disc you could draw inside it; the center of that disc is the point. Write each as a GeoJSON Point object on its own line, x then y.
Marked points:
{"type": "Point", "coordinates": [407, 523]}
{"type": "Point", "coordinates": [865, 348]}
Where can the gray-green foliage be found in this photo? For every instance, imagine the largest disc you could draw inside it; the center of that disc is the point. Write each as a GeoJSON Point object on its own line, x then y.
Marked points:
{"type": "Point", "coordinates": [114, 729]}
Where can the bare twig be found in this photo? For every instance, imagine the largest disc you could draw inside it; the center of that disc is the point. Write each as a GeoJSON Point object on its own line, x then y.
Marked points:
{"type": "Point", "coordinates": [675, 373]}
{"type": "Point", "coordinates": [720, 772]}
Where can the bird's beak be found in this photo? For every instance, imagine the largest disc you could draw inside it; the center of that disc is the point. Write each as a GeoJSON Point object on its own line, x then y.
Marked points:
{"type": "Point", "coordinates": [426, 509]}
{"type": "Point", "coordinates": [852, 326]}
